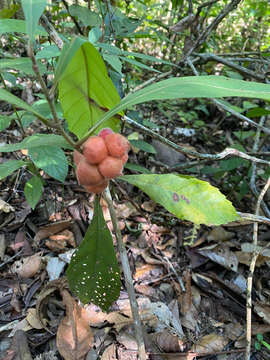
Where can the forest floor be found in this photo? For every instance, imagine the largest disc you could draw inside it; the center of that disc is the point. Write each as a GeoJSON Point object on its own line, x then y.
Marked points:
{"type": "Point", "coordinates": [191, 291]}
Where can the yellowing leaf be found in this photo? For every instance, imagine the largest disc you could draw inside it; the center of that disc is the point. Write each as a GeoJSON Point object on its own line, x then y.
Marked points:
{"type": "Point", "coordinates": [186, 197]}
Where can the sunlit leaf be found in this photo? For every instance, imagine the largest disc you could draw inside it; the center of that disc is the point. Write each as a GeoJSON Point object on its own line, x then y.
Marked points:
{"type": "Point", "coordinates": [86, 91]}
{"type": "Point", "coordinates": [21, 64]}
{"type": "Point", "coordinates": [32, 9]}
{"type": "Point", "coordinates": [18, 26]}
{"type": "Point", "coordinates": [191, 87]}
{"type": "Point", "coordinates": [186, 197]}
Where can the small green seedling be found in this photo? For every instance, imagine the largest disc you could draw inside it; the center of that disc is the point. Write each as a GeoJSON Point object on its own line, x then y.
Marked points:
{"type": "Point", "coordinates": [260, 342]}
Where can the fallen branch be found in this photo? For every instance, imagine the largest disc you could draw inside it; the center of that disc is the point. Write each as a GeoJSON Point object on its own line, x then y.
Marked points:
{"type": "Point", "coordinates": [225, 153]}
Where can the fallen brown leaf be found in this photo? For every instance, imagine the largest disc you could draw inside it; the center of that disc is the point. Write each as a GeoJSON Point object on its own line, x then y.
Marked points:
{"type": "Point", "coordinates": [74, 337]}
{"type": "Point", "coordinates": [109, 353]}
{"type": "Point", "coordinates": [51, 229]}
{"type": "Point", "coordinates": [263, 310]}
{"type": "Point", "coordinates": [33, 319]}
{"type": "Point", "coordinates": [64, 236]}
{"type": "Point", "coordinates": [27, 267]}
{"type": "Point", "coordinates": [210, 343]}
{"type": "Point", "coordinates": [245, 258]}
{"type": "Point", "coordinates": [5, 207]}
{"type": "Point", "coordinates": [219, 234]}
{"type": "Point", "coordinates": [148, 271]}
{"type": "Point", "coordinates": [43, 298]}
{"type": "Point", "coordinates": [168, 342]}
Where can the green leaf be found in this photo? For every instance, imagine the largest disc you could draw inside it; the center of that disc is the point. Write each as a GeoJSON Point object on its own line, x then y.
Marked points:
{"type": "Point", "coordinates": [21, 64]}
{"type": "Point", "coordinates": [94, 35]}
{"type": "Point", "coordinates": [257, 112]}
{"type": "Point", "coordinates": [48, 52]}
{"type": "Point", "coordinates": [32, 9]}
{"type": "Point", "coordinates": [143, 145]}
{"type": "Point", "coordinates": [243, 135]}
{"type": "Point", "coordinates": [138, 168]}
{"type": "Point", "coordinates": [116, 51]}
{"type": "Point", "coordinates": [36, 141]}
{"type": "Point", "coordinates": [86, 16]}
{"type": "Point", "coordinates": [9, 167]}
{"type": "Point", "coordinates": [4, 122]}
{"type": "Point", "coordinates": [114, 61]}
{"type": "Point", "coordinates": [190, 87]}
{"type": "Point", "coordinates": [8, 13]}
{"type": "Point", "coordinates": [186, 197]}
{"type": "Point", "coordinates": [86, 91]}
{"type": "Point", "coordinates": [93, 272]}
{"type": "Point", "coordinates": [266, 345]}
{"type": "Point", "coordinates": [33, 190]}
{"type": "Point", "coordinates": [147, 57]}
{"type": "Point", "coordinates": [50, 159]}
{"type": "Point", "coordinates": [67, 54]}
{"type": "Point", "coordinates": [137, 63]}
{"type": "Point", "coordinates": [12, 99]}
{"type": "Point", "coordinates": [257, 345]}
{"type": "Point", "coordinates": [19, 26]}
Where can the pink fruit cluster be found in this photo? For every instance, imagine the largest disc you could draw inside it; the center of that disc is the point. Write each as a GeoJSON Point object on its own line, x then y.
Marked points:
{"type": "Point", "coordinates": [102, 159]}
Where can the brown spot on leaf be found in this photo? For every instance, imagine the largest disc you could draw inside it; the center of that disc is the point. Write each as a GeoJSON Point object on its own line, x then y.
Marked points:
{"type": "Point", "coordinates": [175, 197]}
{"type": "Point", "coordinates": [185, 199]}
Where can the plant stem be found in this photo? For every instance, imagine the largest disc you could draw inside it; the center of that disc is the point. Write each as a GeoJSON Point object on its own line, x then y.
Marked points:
{"type": "Point", "coordinates": [128, 278]}
{"type": "Point", "coordinates": [45, 91]}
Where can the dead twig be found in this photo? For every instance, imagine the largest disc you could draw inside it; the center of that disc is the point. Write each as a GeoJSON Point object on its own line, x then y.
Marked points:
{"type": "Point", "coordinates": [51, 31]}
{"type": "Point", "coordinates": [231, 64]}
{"type": "Point", "coordinates": [204, 35]}
{"type": "Point", "coordinates": [252, 182]}
{"type": "Point", "coordinates": [225, 153]}
{"type": "Point", "coordinates": [251, 272]}
{"type": "Point", "coordinates": [253, 218]}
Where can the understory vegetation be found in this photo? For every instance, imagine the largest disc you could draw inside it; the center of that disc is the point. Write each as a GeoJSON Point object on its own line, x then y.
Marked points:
{"type": "Point", "coordinates": [154, 243]}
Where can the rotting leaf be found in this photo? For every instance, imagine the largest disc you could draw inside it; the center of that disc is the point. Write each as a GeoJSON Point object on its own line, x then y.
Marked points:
{"type": "Point", "coordinates": [74, 337]}
{"type": "Point", "coordinates": [27, 267]}
{"type": "Point", "coordinates": [93, 272]}
{"type": "Point", "coordinates": [33, 319]}
{"type": "Point", "coordinates": [51, 287]}
{"type": "Point", "coordinates": [52, 229]}
{"type": "Point", "coordinates": [222, 255]}
{"type": "Point", "coordinates": [168, 342]}
{"type": "Point", "coordinates": [109, 353]}
{"type": "Point", "coordinates": [263, 310]}
{"type": "Point", "coordinates": [5, 207]}
{"type": "Point", "coordinates": [219, 234]}
{"type": "Point", "coordinates": [210, 343]}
